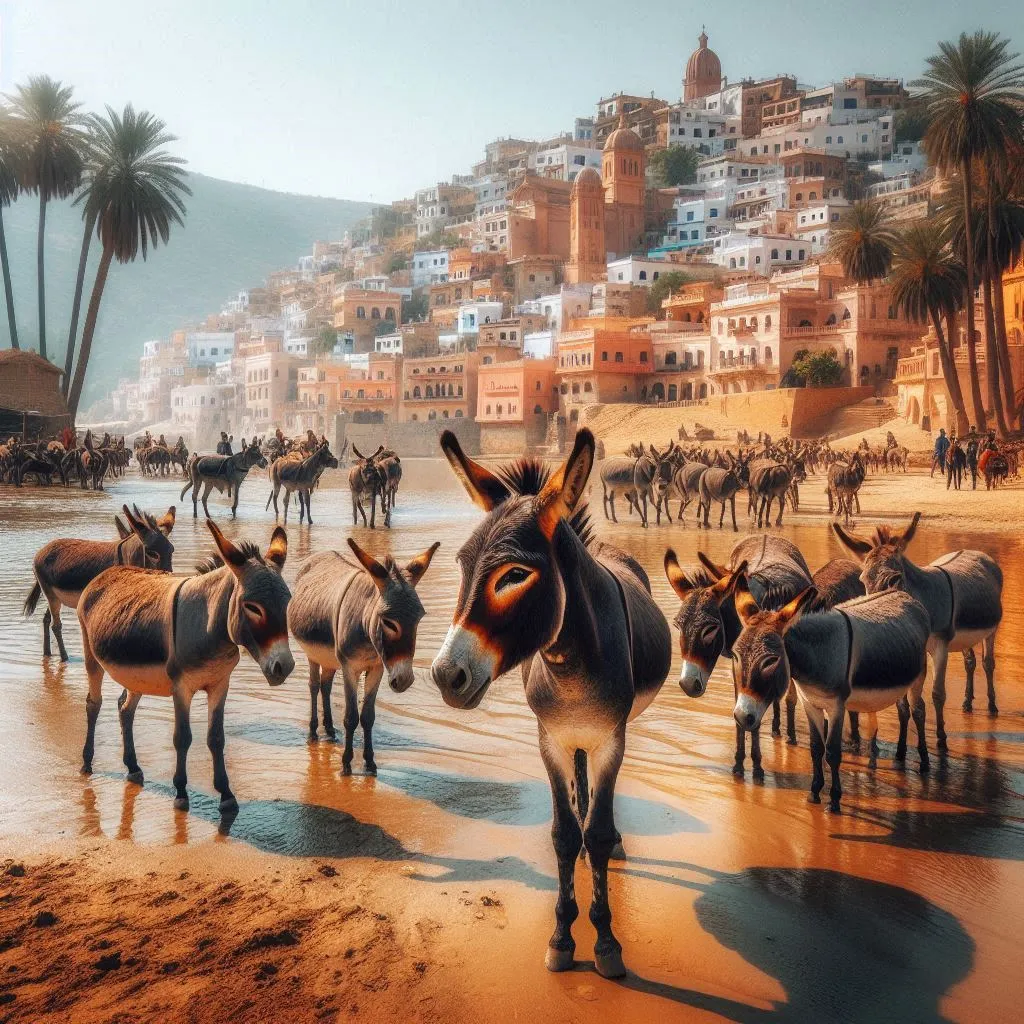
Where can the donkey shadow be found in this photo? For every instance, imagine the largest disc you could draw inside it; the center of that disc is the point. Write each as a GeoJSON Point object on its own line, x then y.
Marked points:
{"type": "Point", "coordinates": [843, 948]}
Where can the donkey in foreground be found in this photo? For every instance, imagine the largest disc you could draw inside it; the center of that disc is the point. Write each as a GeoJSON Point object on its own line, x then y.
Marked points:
{"type": "Point", "coordinates": [225, 472]}
{"type": "Point", "coordinates": [364, 481]}
{"type": "Point", "coordinates": [863, 655]}
{"type": "Point", "coordinates": [578, 615]}
{"type": "Point", "coordinates": [359, 617]}
{"type": "Point", "coordinates": [962, 593]}
{"type": "Point", "coordinates": [63, 568]}
{"type": "Point", "coordinates": [294, 474]}
{"type": "Point", "coordinates": [169, 636]}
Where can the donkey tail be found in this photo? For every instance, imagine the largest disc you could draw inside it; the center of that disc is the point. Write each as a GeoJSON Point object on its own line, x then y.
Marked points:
{"type": "Point", "coordinates": [189, 484]}
{"type": "Point", "coordinates": [33, 599]}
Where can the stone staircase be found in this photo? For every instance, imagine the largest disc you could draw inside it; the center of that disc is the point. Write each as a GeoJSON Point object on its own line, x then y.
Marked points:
{"type": "Point", "coordinates": [856, 419]}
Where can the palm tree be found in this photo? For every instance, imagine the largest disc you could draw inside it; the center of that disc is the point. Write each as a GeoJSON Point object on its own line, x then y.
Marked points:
{"type": "Point", "coordinates": [862, 242]}
{"type": "Point", "coordinates": [10, 157]}
{"type": "Point", "coordinates": [83, 259]}
{"type": "Point", "coordinates": [135, 193]}
{"type": "Point", "coordinates": [929, 282]}
{"type": "Point", "coordinates": [53, 164]}
{"type": "Point", "coordinates": [972, 95]}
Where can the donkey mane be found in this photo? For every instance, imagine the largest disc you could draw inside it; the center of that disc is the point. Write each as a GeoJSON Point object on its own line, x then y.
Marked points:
{"type": "Point", "coordinates": [528, 476]}
{"type": "Point", "coordinates": [215, 561]}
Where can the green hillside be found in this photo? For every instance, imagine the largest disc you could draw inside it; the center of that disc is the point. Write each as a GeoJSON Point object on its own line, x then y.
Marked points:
{"type": "Point", "coordinates": [233, 237]}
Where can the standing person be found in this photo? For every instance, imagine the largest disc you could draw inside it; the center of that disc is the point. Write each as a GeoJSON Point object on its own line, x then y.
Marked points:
{"type": "Point", "coordinates": [972, 457]}
{"type": "Point", "coordinates": [941, 447]}
{"type": "Point", "coordinates": [222, 443]}
{"type": "Point", "coordinates": [955, 463]}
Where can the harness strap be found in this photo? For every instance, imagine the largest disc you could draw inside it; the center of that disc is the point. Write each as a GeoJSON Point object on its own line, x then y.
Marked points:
{"type": "Point", "coordinates": [951, 630]}
{"type": "Point", "coordinates": [174, 615]}
{"type": "Point", "coordinates": [849, 648]}
{"type": "Point", "coordinates": [629, 622]}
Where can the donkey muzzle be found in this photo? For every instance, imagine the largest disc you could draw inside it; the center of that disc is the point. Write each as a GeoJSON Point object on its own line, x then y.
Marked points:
{"type": "Point", "coordinates": [463, 669]}
{"type": "Point", "coordinates": [400, 674]}
{"type": "Point", "coordinates": [278, 663]}
{"type": "Point", "coordinates": [748, 711]}
{"type": "Point", "coordinates": [693, 679]}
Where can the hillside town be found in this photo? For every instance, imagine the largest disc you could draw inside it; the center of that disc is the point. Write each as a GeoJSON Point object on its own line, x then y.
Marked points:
{"type": "Point", "coordinates": [514, 296]}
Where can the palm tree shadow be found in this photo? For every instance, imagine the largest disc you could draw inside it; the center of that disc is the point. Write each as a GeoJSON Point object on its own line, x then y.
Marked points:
{"type": "Point", "coordinates": [844, 948]}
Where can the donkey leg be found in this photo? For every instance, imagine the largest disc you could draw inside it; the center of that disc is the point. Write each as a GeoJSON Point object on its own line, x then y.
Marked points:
{"type": "Point", "coordinates": [309, 510]}
{"type": "Point", "coordinates": [216, 696]}
{"type": "Point", "coordinates": [326, 685]}
{"type": "Point", "coordinates": [741, 751]}
{"type": "Point", "coordinates": [917, 710]}
{"type": "Point", "coordinates": [567, 839]}
{"type": "Point", "coordinates": [776, 719]}
{"type": "Point", "coordinates": [47, 619]}
{"type": "Point", "coordinates": [816, 725]}
{"type": "Point", "coordinates": [782, 508]}
{"type": "Point", "coordinates": [970, 664]}
{"type": "Point", "coordinates": [755, 755]}
{"type": "Point", "coordinates": [988, 661]}
{"type": "Point", "coordinates": [732, 505]}
{"type": "Point", "coordinates": [314, 692]}
{"type": "Point", "coordinates": [940, 656]}
{"type": "Point", "coordinates": [834, 753]}
{"type": "Point", "coordinates": [604, 501]}
{"type": "Point", "coordinates": [903, 711]}
{"type": "Point", "coordinates": [854, 729]}
{"type": "Point", "coordinates": [599, 836]}
{"type": "Point", "coordinates": [126, 705]}
{"type": "Point", "coordinates": [351, 716]}
{"type": "Point", "coordinates": [369, 714]}
{"type": "Point", "coordinates": [206, 494]}
{"type": "Point", "coordinates": [234, 502]}
{"type": "Point", "coordinates": [56, 627]}
{"type": "Point", "coordinates": [182, 741]}
{"type": "Point", "coordinates": [791, 714]}
{"type": "Point", "coordinates": [611, 502]}
{"type": "Point", "coordinates": [872, 740]}
{"type": "Point", "coordinates": [93, 702]}
{"type": "Point", "coordinates": [287, 502]}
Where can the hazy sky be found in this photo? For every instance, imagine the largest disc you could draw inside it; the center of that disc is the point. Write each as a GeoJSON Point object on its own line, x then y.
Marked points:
{"type": "Point", "coordinates": [371, 100]}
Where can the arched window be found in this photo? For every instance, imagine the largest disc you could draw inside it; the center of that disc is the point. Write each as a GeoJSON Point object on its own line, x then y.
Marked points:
{"type": "Point", "coordinates": [432, 415]}
{"type": "Point", "coordinates": [846, 314]}
{"type": "Point", "coordinates": [360, 312]}
{"type": "Point", "coordinates": [444, 414]}
{"type": "Point", "coordinates": [767, 355]}
{"type": "Point", "coordinates": [643, 275]}
{"type": "Point", "coordinates": [775, 254]}
{"type": "Point", "coordinates": [587, 386]}
{"type": "Point", "coordinates": [831, 320]}
{"type": "Point", "coordinates": [799, 196]}
{"type": "Point", "coordinates": [488, 360]}
{"type": "Point", "coordinates": [563, 388]}
{"type": "Point", "coordinates": [430, 391]}
{"type": "Point", "coordinates": [416, 392]}
{"type": "Point", "coordinates": [375, 313]}
{"type": "Point", "coordinates": [812, 195]}
{"type": "Point", "coordinates": [805, 323]}
{"type": "Point", "coordinates": [575, 389]}
{"type": "Point", "coordinates": [670, 359]}
{"type": "Point", "coordinates": [389, 313]}
{"type": "Point", "coordinates": [537, 410]}
{"type": "Point", "coordinates": [458, 413]}
{"type": "Point", "coordinates": [768, 323]}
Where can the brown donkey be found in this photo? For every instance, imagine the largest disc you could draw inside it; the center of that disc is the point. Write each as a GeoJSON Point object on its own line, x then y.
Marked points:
{"type": "Point", "coordinates": [171, 636]}
{"type": "Point", "coordinates": [357, 617]}
{"type": "Point", "coordinates": [63, 568]}
{"type": "Point", "coordinates": [578, 615]}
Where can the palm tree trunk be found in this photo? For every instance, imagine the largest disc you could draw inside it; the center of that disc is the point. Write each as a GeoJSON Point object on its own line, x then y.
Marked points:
{"type": "Point", "coordinates": [949, 376]}
{"type": "Point", "coordinates": [972, 353]}
{"type": "Point", "coordinates": [89, 330]}
{"type": "Point", "coordinates": [40, 273]}
{"type": "Point", "coordinates": [69, 355]}
{"type": "Point", "coordinates": [12, 320]}
{"type": "Point", "coordinates": [995, 395]}
{"type": "Point", "coordinates": [1003, 349]}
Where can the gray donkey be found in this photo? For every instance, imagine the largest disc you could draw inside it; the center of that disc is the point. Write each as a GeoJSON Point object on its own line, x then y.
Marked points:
{"type": "Point", "coordinates": [962, 593]}
{"type": "Point", "coordinates": [721, 485]}
{"type": "Point", "coordinates": [358, 617]}
{"type": "Point", "coordinates": [635, 478]}
{"type": "Point", "coordinates": [864, 655]}
{"type": "Point", "coordinates": [225, 472]}
{"type": "Point", "coordinates": [769, 481]}
{"type": "Point", "coordinates": [171, 636]}
{"type": "Point", "coordinates": [578, 615]}
{"type": "Point", "coordinates": [63, 568]}
{"type": "Point", "coordinates": [294, 474]}
{"type": "Point", "coordinates": [365, 483]}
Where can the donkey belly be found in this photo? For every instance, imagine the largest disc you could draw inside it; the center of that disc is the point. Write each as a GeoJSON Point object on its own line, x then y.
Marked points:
{"type": "Point", "coordinates": [151, 680]}
{"type": "Point", "coordinates": [964, 639]}
{"type": "Point", "coordinates": [875, 699]}
{"type": "Point", "coordinates": [68, 598]}
{"type": "Point", "coordinates": [323, 655]}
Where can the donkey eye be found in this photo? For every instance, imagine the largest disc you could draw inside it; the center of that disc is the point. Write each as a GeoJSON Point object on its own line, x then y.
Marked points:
{"type": "Point", "coordinates": [770, 665]}
{"type": "Point", "coordinates": [709, 633]}
{"type": "Point", "coordinates": [390, 626]}
{"type": "Point", "coordinates": [254, 611]}
{"type": "Point", "coordinates": [513, 578]}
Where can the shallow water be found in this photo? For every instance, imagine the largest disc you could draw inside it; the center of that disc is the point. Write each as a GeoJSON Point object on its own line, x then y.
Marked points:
{"type": "Point", "coordinates": [738, 890]}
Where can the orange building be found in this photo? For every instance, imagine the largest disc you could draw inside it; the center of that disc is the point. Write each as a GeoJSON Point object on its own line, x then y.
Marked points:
{"type": "Point", "coordinates": [514, 401]}
{"type": "Point", "coordinates": [359, 311]}
{"type": "Point", "coordinates": [374, 394]}
{"type": "Point", "coordinates": [692, 303]}
{"type": "Point", "coordinates": [623, 165]}
{"type": "Point", "coordinates": [703, 72]}
{"type": "Point", "coordinates": [438, 387]}
{"type": "Point", "coordinates": [588, 254]}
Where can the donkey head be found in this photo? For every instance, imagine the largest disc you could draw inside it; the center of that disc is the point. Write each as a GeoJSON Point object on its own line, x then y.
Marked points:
{"type": "Point", "coordinates": [395, 616]}
{"type": "Point", "coordinates": [704, 619]}
{"type": "Point", "coordinates": [253, 455]}
{"type": "Point", "coordinates": [760, 666]}
{"type": "Point", "coordinates": [257, 615]}
{"type": "Point", "coordinates": [883, 559]}
{"type": "Point", "coordinates": [324, 457]}
{"type": "Point", "coordinates": [512, 597]}
{"type": "Point", "coordinates": [153, 535]}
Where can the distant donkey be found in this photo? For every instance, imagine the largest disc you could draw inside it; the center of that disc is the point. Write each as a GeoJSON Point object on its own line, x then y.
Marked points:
{"type": "Point", "coordinates": [225, 472]}
{"type": "Point", "coordinates": [295, 474]}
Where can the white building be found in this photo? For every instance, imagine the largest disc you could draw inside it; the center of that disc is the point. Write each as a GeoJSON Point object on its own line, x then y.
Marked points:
{"type": "Point", "coordinates": [696, 218]}
{"type": "Point", "coordinates": [199, 409]}
{"type": "Point", "coordinates": [208, 347]}
{"type": "Point", "coordinates": [583, 129]}
{"type": "Point", "coordinates": [868, 138]}
{"type": "Point", "coordinates": [428, 268]}
{"type": "Point", "coordinates": [636, 270]}
{"type": "Point", "coordinates": [539, 345]}
{"type": "Point", "coordinates": [491, 191]}
{"type": "Point", "coordinates": [814, 222]}
{"type": "Point", "coordinates": [907, 158]}
{"type": "Point", "coordinates": [570, 302]}
{"type": "Point", "coordinates": [697, 129]}
{"type": "Point", "coordinates": [565, 161]}
{"type": "Point", "coordinates": [389, 344]}
{"type": "Point", "coordinates": [472, 314]}
{"type": "Point", "coordinates": [758, 253]}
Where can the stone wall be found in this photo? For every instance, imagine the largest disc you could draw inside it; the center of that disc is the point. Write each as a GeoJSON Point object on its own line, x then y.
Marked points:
{"type": "Point", "coordinates": [512, 438]}
{"type": "Point", "coordinates": [410, 440]}
{"type": "Point", "coordinates": [801, 411]}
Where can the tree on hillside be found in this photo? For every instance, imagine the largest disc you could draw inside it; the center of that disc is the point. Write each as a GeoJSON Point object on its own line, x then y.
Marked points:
{"type": "Point", "coordinates": [928, 282]}
{"type": "Point", "coordinates": [973, 90]}
{"type": "Point", "coordinates": [439, 238]}
{"type": "Point", "coordinates": [383, 327]}
{"type": "Point", "coordinates": [676, 165]}
{"type": "Point", "coordinates": [52, 132]}
{"type": "Point", "coordinates": [10, 156]}
{"type": "Point", "coordinates": [862, 242]}
{"type": "Point", "coordinates": [910, 123]}
{"type": "Point", "coordinates": [325, 340]}
{"type": "Point", "coordinates": [415, 307]}
{"type": "Point", "coordinates": [819, 369]}
{"type": "Point", "coordinates": [398, 262]}
{"type": "Point", "coordinates": [859, 178]}
{"type": "Point", "coordinates": [136, 192]}
{"type": "Point", "coordinates": [666, 284]}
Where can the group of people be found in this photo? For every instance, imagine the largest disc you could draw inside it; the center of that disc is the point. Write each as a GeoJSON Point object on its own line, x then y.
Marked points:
{"type": "Point", "coordinates": [956, 456]}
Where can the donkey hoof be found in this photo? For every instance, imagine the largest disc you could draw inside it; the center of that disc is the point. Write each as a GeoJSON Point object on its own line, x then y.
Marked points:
{"type": "Point", "coordinates": [758, 774]}
{"type": "Point", "coordinates": [136, 777]}
{"type": "Point", "coordinates": [737, 770]}
{"type": "Point", "coordinates": [346, 769]}
{"type": "Point", "coordinates": [331, 734]}
{"type": "Point", "coordinates": [776, 730]}
{"type": "Point", "coordinates": [371, 768]}
{"type": "Point", "coordinates": [993, 710]}
{"type": "Point", "coordinates": [618, 852]}
{"type": "Point", "coordinates": [925, 766]}
{"type": "Point", "coordinates": [791, 741]}
{"type": "Point", "coordinates": [181, 803]}
{"type": "Point", "coordinates": [610, 965]}
{"type": "Point", "coordinates": [833, 807]}
{"type": "Point", "coordinates": [967, 707]}
{"type": "Point", "coordinates": [228, 806]}
{"type": "Point", "coordinates": [813, 798]}
{"type": "Point", "coordinates": [556, 960]}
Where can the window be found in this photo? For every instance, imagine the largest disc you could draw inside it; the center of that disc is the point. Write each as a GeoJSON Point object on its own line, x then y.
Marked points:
{"type": "Point", "coordinates": [643, 357]}
{"type": "Point", "coordinates": [801, 254]}
{"type": "Point", "coordinates": [618, 357]}
{"type": "Point", "coordinates": [375, 313]}
{"type": "Point", "coordinates": [775, 254]}
{"type": "Point", "coordinates": [694, 234]}
{"type": "Point", "coordinates": [689, 214]}
{"type": "Point", "coordinates": [604, 357]}
{"type": "Point", "coordinates": [361, 313]}
{"type": "Point", "coordinates": [670, 359]}
{"type": "Point", "coordinates": [840, 140]}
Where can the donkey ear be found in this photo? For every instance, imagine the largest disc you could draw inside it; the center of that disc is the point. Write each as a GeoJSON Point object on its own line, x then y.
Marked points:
{"type": "Point", "coordinates": [789, 615]}
{"type": "Point", "coordinates": [908, 533]}
{"type": "Point", "coordinates": [481, 484]}
{"type": "Point", "coordinates": [676, 577]}
{"type": "Point", "coordinates": [855, 544]}
{"type": "Point", "coordinates": [122, 531]}
{"type": "Point", "coordinates": [746, 606]}
{"type": "Point", "coordinates": [166, 522]}
{"type": "Point", "coordinates": [376, 571]}
{"type": "Point", "coordinates": [421, 563]}
{"type": "Point", "coordinates": [726, 586]}
{"type": "Point", "coordinates": [358, 454]}
{"type": "Point", "coordinates": [138, 528]}
{"type": "Point", "coordinates": [562, 492]}
{"type": "Point", "coordinates": [278, 550]}
{"type": "Point", "coordinates": [233, 558]}
{"type": "Point", "coordinates": [718, 571]}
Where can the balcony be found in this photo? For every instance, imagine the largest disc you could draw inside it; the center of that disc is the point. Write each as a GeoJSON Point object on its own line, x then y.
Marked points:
{"type": "Point", "coordinates": [803, 332]}
{"type": "Point", "coordinates": [911, 368]}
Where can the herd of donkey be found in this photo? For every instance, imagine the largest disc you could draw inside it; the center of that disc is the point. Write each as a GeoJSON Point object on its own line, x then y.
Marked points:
{"type": "Point", "coordinates": [539, 591]}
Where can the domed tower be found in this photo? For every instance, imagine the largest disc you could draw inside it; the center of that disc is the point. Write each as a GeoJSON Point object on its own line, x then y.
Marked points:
{"type": "Point", "coordinates": [623, 166]}
{"type": "Point", "coordinates": [587, 252]}
{"type": "Point", "coordinates": [703, 72]}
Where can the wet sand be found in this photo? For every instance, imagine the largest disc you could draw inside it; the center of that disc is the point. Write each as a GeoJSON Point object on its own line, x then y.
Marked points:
{"type": "Point", "coordinates": [427, 893]}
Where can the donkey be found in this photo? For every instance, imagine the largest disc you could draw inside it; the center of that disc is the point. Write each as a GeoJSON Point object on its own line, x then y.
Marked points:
{"type": "Point", "coordinates": [359, 617]}
{"type": "Point", "coordinates": [63, 568]}
{"type": "Point", "coordinates": [721, 485]}
{"type": "Point", "coordinates": [390, 467]}
{"type": "Point", "coordinates": [962, 593]}
{"type": "Point", "coordinates": [708, 625]}
{"type": "Point", "coordinates": [171, 636]}
{"type": "Point", "coordinates": [617, 477]}
{"type": "Point", "coordinates": [864, 655]}
{"type": "Point", "coordinates": [843, 487]}
{"type": "Point", "coordinates": [364, 482]}
{"type": "Point", "coordinates": [578, 615]}
{"type": "Point", "coordinates": [225, 472]}
{"type": "Point", "coordinates": [769, 481]}
{"type": "Point", "coordinates": [299, 475]}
